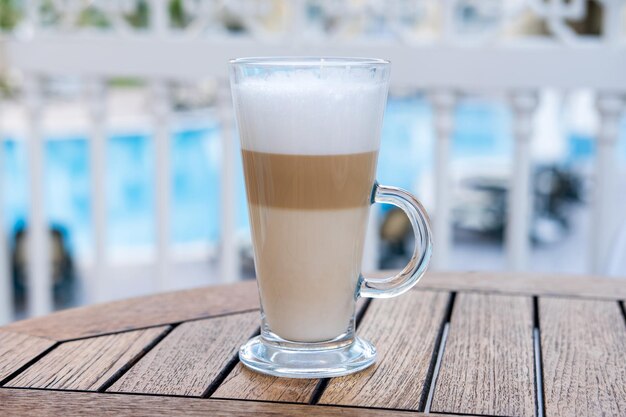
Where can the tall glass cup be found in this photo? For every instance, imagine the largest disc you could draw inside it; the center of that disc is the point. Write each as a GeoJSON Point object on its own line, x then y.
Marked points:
{"type": "Point", "coordinates": [310, 133]}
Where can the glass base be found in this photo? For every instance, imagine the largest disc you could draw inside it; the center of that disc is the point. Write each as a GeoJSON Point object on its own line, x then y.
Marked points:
{"type": "Point", "coordinates": [307, 363]}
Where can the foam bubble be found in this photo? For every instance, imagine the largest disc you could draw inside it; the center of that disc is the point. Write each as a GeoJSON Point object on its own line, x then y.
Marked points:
{"type": "Point", "coordinates": [308, 114]}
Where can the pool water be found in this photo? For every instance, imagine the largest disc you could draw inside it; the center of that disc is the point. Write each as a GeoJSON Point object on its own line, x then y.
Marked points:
{"type": "Point", "coordinates": [481, 129]}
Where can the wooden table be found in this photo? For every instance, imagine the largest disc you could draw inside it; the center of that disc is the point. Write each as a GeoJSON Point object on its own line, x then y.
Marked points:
{"type": "Point", "coordinates": [474, 343]}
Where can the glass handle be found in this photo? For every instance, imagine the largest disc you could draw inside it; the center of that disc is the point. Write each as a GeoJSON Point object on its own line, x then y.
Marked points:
{"type": "Point", "coordinates": [398, 284]}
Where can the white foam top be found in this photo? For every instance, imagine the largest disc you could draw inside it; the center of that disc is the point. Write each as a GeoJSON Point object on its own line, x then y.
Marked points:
{"type": "Point", "coordinates": [301, 113]}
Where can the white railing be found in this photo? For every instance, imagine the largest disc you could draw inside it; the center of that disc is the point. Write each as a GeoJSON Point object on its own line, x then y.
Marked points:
{"type": "Point", "coordinates": [431, 50]}
{"type": "Point", "coordinates": [96, 91]}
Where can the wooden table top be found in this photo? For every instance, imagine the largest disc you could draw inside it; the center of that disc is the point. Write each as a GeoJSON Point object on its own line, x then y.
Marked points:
{"type": "Point", "coordinates": [460, 344]}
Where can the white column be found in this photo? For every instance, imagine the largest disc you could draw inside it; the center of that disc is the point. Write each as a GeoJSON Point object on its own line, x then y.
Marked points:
{"type": "Point", "coordinates": [612, 20]}
{"type": "Point", "coordinates": [603, 224]}
{"type": "Point", "coordinates": [163, 183]}
{"type": "Point", "coordinates": [229, 256]}
{"type": "Point", "coordinates": [448, 19]}
{"type": "Point", "coordinates": [443, 114]}
{"type": "Point", "coordinates": [40, 297]}
{"type": "Point", "coordinates": [6, 283]}
{"type": "Point", "coordinates": [31, 10]}
{"type": "Point", "coordinates": [96, 99]}
{"type": "Point", "coordinates": [159, 16]}
{"type": "Point", "coordinates": [520, 196]}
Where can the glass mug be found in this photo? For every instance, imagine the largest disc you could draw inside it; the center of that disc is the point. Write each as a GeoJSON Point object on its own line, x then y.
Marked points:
{"type": "Point", "coordinates": [310, 134]}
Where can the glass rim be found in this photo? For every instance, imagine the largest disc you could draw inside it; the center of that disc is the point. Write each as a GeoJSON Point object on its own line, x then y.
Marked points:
{"type": "Point", "coordinates": [309, 61]}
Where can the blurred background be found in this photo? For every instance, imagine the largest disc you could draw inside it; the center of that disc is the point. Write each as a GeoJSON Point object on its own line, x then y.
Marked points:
{"type": "Point", "coordinates": [119, 161]}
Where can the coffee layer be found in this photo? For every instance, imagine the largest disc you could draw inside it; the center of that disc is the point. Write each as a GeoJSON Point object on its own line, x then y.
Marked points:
{"type": "Point", "coordinates": [309, 182]}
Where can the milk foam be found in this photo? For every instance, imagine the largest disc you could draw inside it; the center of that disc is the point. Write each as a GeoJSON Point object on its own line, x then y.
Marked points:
{"type": "Point", "coordinates": [302, 113]}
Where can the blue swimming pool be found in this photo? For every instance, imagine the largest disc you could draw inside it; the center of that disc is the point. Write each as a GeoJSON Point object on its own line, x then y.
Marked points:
{"type": "Point", "coordinates": [405, 157]}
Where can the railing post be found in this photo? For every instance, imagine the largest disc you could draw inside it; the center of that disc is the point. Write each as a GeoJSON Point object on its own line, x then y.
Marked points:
{"type": "Point", "coordinates": [229, 256]}
{"type": "Point", "coordinates": [612, 21]}
{"type": "Point", "coordinates": [95, 89]}
{"type": "Point", "coordinates": [520, 196]}
{"type": "Point", "coordinates": [163, 183]}
{"type": "Point", "coordinates": [31, 12]}
{"type": "Point", "coordinates": [610, 107]}
{"type": "Point", "coordinates": [6, 283]}
{"type": "Point", "coordinates": [40, 297]}
{"type": "Point", "coordinates": [159, 16]}
{"type": "Point", "coordinates": [443, 107]}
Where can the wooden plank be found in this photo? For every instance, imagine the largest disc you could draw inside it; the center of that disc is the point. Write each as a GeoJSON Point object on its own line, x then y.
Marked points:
{"type": "Point", "coordinates": [487, 366]}
{"type": "Point", "coordinates": [18, 403]}
{"type": "Point", "coordinates": [142, 312]}
{"type": "Point", "coordinates": [190, 358]}
{"type": "Point", "coordinates": [404, 331]}
{"type": "Point", "coordinates": [244, 384]}
{"type": "Point", "coordinates": [87, 364]}
{"type": "Point", "coordinates": [524, 284]}
{"type": "Point", "coordinates": [17, 349]}
{"type": "Point", "coordinates": [583, 346]}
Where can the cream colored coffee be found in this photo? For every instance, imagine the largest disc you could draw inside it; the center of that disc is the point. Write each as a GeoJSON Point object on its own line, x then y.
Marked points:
{"type": "Point", "coordinates": [309, 182]}
{"type": "Point", "coordinates": [308, 185]}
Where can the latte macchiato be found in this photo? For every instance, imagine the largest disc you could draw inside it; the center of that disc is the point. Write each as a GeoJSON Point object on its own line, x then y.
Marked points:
{"type": "Point", "coordinates": [309, 186]}
{"type": "Point", "coordinates": [309, 130]}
